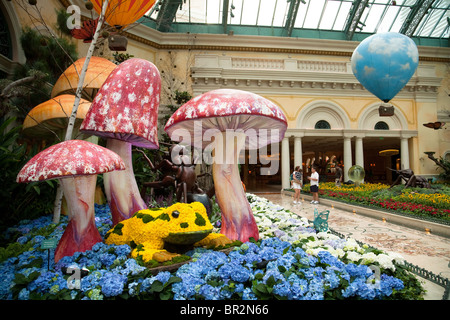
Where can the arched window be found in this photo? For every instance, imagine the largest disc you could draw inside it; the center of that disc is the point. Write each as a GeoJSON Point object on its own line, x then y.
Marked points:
{"type": "Point", "coordinates": [5, 38]}
{"type": "Point", "coordinates": [381, 125]}
{"type": "Point", "coordinates": [322, 124]}
{"type": "Point", "coordinates": [446, 156]}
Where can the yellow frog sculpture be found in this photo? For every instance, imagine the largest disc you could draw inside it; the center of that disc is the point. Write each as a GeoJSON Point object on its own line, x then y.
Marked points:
{"type": "Point", "coordinates": [180, 224]}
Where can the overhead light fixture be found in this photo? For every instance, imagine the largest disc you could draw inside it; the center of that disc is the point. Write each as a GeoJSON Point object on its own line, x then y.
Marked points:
{"type": "Point", "coordinates": [388, 152]}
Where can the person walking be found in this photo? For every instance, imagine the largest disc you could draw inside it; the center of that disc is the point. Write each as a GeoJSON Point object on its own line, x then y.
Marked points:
{"type": "Point", "coordinates": [338, 175]}
{"type": "Point", "coordinates": [314, 178]}
{"type": "Point", "coordinates": [297, 183]}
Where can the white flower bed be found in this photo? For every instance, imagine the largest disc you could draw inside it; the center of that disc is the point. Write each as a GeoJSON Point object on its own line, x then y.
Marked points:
{"type": "Point", "coordinates": [274, 220]}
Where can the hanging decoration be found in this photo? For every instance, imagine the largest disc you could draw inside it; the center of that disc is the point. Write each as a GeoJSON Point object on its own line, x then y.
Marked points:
{"type": "Point", "coordinates": [383, 63]}
{"type": "Point", "coordinates": [86, 32]}
{"type": "Point", "coordinates": [121, 13]}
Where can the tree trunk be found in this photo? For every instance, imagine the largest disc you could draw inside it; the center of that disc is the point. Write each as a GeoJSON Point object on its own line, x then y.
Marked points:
{"type": "Point", "coordinates": [73, 116]}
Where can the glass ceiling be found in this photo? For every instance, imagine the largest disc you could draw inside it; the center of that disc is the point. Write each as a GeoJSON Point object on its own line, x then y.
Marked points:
{"type": "Point", "coordinates": [335, 19]}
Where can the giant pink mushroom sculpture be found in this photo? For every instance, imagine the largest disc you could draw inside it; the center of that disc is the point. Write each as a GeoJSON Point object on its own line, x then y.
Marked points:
{"type": "Point", "coordinates": [76, 163]}
{"type": "Point", "coordinates": [125, 112]}
{"type": "Point", "coordinates": [235, 119]}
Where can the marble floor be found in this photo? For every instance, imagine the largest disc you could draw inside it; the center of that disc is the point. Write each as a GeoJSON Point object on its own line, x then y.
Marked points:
{"type": "Point", "coordinates": [427, 251]}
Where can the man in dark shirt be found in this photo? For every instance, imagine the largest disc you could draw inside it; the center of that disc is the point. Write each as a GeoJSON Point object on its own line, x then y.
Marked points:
{"type": "Point", "coordinates": [338, 176]}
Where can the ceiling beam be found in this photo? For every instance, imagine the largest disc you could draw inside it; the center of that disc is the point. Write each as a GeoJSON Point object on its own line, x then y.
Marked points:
{"type": "Point", "coordinates": [166, 14]}
{"type": "Point", "coordinates": [412, 21]}
{"type": "Point", "coordinates": [226, 5]}
{"type": "Point", "coordinates": [354, 16]}
{"type": "Point", "coordinates": [292, 15]}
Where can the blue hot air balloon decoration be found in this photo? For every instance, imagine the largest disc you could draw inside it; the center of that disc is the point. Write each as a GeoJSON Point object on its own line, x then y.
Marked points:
{"type": "Point", "coordinates": [383, 63]}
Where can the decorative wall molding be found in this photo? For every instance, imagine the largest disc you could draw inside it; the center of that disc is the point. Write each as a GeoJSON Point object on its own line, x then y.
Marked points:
{"type": "Point", "coordinates": [289, 76]}
{"type": "Point", "coordinates": [244, 43]}
{"type": "Point", "coordinates": [322, 110]}
{"type": "Point", "coordinates": [349, 133]}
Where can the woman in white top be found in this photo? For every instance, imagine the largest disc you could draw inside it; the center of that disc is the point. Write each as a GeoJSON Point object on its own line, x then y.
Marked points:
{"type": "Point", "coordinates": [314, 178]}
{"type": "Point", "coordinates": [297, 183]}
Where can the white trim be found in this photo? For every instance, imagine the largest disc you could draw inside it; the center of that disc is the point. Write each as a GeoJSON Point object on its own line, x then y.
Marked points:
{"type": "Point", "coordinates": [445, 154]}
{"type": "Point", "coordinates": [322, 110]}
{"type": "Point", "coordinates": [15, 29]}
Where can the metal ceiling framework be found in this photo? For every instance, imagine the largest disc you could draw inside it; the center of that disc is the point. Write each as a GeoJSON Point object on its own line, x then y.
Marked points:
{"type": "Point", "coordinates": [292, 15]}
{"type": "Point", "coordinates": [415, 16]}
{"type": "Point", "coordinates": [226, 5]}
{"type": "Point", "coordinates": [419, 18]}
{"type": "Point", "coordinates": [354, 17]}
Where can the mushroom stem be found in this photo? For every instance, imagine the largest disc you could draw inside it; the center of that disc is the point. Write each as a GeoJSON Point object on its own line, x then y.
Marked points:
{"type": "Point", "coordinates": [238, 222]}
{"type": "Point", "coordinates": [81, 233]}
{"type": "Point", "coordinates": [121, 188]}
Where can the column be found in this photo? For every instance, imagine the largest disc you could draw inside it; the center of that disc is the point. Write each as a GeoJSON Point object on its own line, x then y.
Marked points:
{"type": "Point", "coordinates": [298, 152]}
{"type": "Point", "coordinates": [347, 156]}
{"type": "Point", "coordinates": [285, 163]}
{"type": "Point", "coordinates": [404, 153]}
{"type": "Point", "coordinates": [359, 153]}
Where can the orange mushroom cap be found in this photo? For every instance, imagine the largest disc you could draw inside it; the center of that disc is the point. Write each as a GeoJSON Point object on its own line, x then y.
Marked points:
{"type": "Point", "coordinates": [97, 72]}
{"type": "Point", "coordinates": [53, 114]}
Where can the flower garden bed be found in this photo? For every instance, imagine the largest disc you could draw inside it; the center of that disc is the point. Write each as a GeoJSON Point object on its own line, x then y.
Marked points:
{"type": "Point", "coordinates": [290, 261]}
{"type": "Point", "coordinates": [418, 202]}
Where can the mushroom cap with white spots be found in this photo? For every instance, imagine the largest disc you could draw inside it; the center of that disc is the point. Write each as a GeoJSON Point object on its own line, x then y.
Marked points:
{"type": "Point", "coordinates": [126, 106]}
{"type": "Point", "coordinates": [229, 110]}
{"type": "Point", "coordinates": [70, 158]}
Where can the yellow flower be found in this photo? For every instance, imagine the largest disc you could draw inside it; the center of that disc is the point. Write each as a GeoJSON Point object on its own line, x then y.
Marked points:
{"type": "Point", "coordinates": [147, 229]}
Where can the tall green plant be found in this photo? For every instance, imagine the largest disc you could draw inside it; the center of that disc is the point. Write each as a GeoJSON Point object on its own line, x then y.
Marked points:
{"type": "Point", "coordinates": [47, 58]}
{"type": "Point", "coordinates": [19, 201]}
{"type": "Point", "coordinates": [46, 54]}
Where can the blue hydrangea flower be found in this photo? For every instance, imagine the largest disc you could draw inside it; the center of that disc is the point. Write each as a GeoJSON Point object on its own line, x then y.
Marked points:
{"type": "Point", "coordinates": [209, 292]}
{"type": "Point", "coordinates": [283, 289]}
{"type": "Point", "coordinates": [112, 284]}
{"type": "Point", "coordinates": [24, 294]}
{"type": "Point", "coordinates": [107, 259]}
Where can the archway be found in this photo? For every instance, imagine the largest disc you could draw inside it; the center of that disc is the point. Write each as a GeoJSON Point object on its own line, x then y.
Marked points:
{"type": "Point", "coordinates": [322, 110]}
{"type": "Point", "coordinates": [381, 143]}
{"type": "Point", "coordinates": [370, 117]}
{"type": "Point", "coordinates": [323, 122]}
{"type": "Point", "coordinates": [11, 26]}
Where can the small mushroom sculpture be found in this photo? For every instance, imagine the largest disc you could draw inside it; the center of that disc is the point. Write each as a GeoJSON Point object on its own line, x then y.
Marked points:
{"type": "Point", "coordinates": [125, 112]}
{"type": "Point", "coordinates": [76, 163]}
{"type": "Point", "coordinates": [235, 119]}
{"type": "Point", "coordinates": [52, 116]}
{"type": "Point", "coordinates": [97, 72]}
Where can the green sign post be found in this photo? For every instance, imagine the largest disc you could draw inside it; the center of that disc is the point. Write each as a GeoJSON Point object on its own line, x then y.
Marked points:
{"type": "Point", "coordinates": [47, 245]}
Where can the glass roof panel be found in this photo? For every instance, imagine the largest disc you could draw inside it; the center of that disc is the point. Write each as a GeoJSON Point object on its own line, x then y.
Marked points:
{"type": "Point", "coordinates": [214, 11]}
{"type": "Point", "coordinates": [331, 8]}
{"type": "Point", "coordinates": [301, 15]}
{"type": "Point", "coordinates": [341, 17]}
{"type": "Point", "coordinates": [250, 10]}
{"type": "Point", "coordinates": [313, 14]}
{"type": "Point", "coordinates": [372, 18]}
{"type": "Point", "coordinates": [279, 15]}
{"type": "Point", "coordinates": [266, 15]}
{"type": "Point", "coordinates": [330, 15]}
